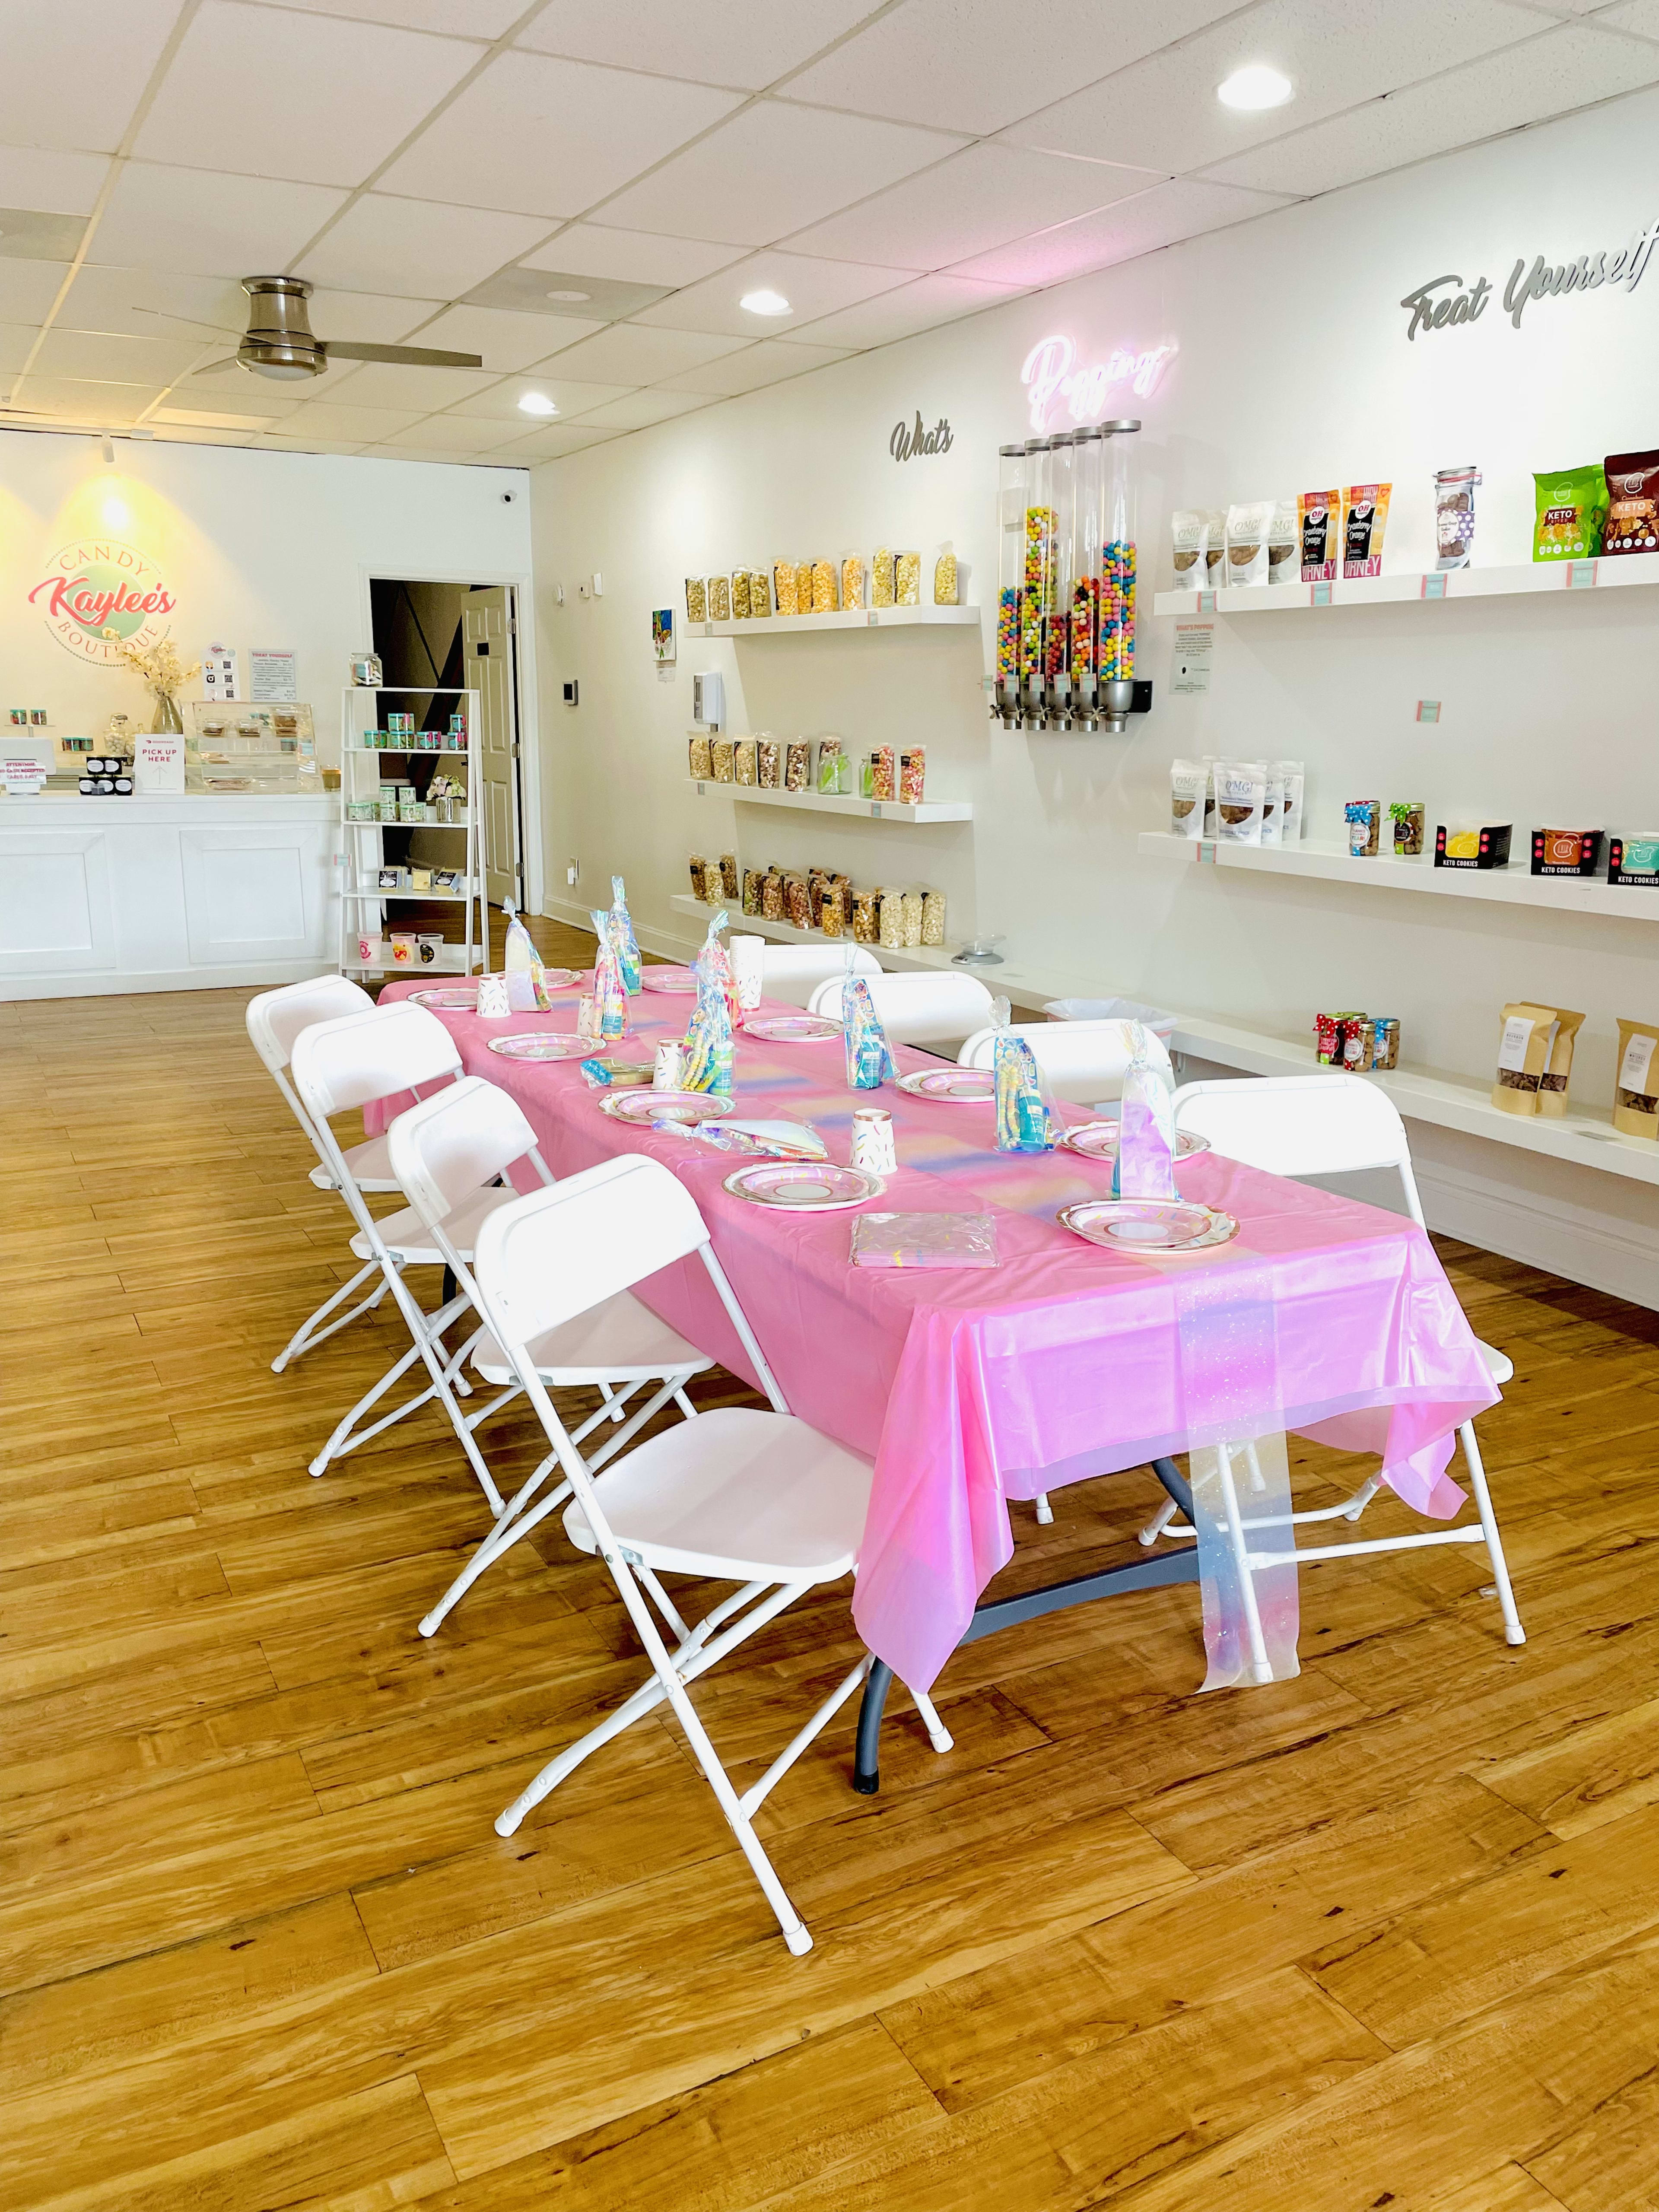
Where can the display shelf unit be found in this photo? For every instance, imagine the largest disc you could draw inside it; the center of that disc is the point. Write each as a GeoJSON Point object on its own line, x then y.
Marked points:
{"type": "Point", "coordinates": [1333, 863]}
{"type": "Point", "coordinates": [1602, 573]}
{"type": "Point", "coordinates": [816, 802]}
{"type": "Point", "coordinates": [852, 618]}
{"type": "Point", "coordinates": [363, 843]}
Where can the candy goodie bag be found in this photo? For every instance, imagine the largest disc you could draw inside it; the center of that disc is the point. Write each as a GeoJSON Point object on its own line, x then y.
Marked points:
{"type": "Point", "coordinates": [627, 946]}
{"type": "Point", "coordinates": [706, 1063]}
{"type": "Point", "coordinates": [1145, 1167]}
{"type": "Point", "coordinates": [609, 998]}
{"type": "Point", "coordinates": [526, 979]}
{"type": "Point", "coordinates": [1026, 1121]}
{"type": "Point", "coordinates": [870, 1061]}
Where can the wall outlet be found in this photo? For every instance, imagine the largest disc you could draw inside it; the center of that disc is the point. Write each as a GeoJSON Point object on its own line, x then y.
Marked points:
{"type": "Point", "coordinates": [572, 873]}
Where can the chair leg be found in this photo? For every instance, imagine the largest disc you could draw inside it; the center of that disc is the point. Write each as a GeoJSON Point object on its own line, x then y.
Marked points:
{"type": "Point", "coordinates": [1513, 1631]}
{"type": "Point", "coordinates": [1159, 1521]}
{"type": "Point", "coordinates": [308, 1336]}
{"type": "Point", "coordinates": [938, 1734]}
{"type": "Point", "coordinates": [1045, 1512]}
{"type": "Point", "coordinates": [1261, 1665]}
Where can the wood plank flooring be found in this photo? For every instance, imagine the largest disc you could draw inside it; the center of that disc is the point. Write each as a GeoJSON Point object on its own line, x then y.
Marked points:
{"type": "Point", "coordinates": [1384, 1936]}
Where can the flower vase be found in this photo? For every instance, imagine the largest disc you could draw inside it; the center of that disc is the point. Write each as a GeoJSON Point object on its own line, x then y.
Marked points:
{"type": "Point", "coordinates": [167, 717]}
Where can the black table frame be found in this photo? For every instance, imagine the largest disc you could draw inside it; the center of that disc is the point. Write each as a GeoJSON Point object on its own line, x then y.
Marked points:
{"type": "Point", "coordinates": [1156, 1572]}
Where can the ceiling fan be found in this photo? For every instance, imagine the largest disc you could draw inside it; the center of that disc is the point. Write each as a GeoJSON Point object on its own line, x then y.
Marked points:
{"type": "Point", "coordinates": [279, 342]}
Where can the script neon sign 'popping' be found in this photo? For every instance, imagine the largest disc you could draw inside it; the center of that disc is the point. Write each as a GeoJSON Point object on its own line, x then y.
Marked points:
{"type": "Point", "coordinates": [1051, 377]}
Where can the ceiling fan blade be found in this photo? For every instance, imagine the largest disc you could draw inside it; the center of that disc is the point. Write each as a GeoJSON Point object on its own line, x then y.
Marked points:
{"type": "Point", "coordinates": [188, 323]}
{"type": "Point", "coordinates": [218, 367]}
{"type": "Point", "coordinates": [409, 357]}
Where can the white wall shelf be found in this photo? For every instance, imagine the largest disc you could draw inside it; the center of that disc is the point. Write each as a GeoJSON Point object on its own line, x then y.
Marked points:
{"type": "Point", "coordinates": [1621, 569]}
{"type": "Point", "coordinates": [816, 802]}
{"type": "Point", "coordinates": [853, 618]}
{"type": "Point", "coordinates": [362, 898]}
{"type": "Point", "coordinates": [1450, 1101]}
{"type": "Point", "coordinates": [1333, 863]}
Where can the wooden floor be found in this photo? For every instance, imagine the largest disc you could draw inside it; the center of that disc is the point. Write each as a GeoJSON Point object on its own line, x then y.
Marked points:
{"type": "Point", "coordinates": [1385, 1936]}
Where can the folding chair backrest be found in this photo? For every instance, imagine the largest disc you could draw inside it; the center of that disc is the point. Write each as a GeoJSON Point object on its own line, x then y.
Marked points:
{"type": "Point", "coordinates": [275, 1018]}
{"type": "Point", "coordinates": [561, 1251]}
{"type": "Point", "coordinates": [1084, 1061]}
{"type": "Point", "coordinates": [1302, 1125]}
{"type": "Point", "coordinates": [794, 972]}
{"type": "Point", "coordinates": [917, 1009]}
{"type": "Point", "coordinates": [341, 1064]}
{"type": "Point", "coordinates": [451, 1145]}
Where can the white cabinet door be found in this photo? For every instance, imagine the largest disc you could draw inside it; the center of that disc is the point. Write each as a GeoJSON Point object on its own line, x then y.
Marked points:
{"type": "Point", "coordinates": [55, 912]}
{"type": "Point", "coordinates": [255, 893]}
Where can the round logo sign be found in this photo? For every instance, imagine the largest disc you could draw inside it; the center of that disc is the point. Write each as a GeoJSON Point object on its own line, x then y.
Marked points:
{"type": "Point", "coordinates": [98, 592]}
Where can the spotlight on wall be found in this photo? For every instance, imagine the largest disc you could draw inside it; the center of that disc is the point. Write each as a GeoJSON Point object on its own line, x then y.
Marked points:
{"type": "Point", "coordinates": [109, 451]}
{"type": "Point", "coordinates": [116, 513]}
{"type": "Point", "coordinates": [1255, 87]}
{"type": "Point", "coordinates": [536, 403]}
{"type": "Point", "coordinates": [765, 302]}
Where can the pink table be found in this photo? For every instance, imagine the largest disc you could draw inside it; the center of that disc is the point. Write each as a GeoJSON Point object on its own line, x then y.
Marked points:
{"type": "Point", "coordinates": [968, 1389]}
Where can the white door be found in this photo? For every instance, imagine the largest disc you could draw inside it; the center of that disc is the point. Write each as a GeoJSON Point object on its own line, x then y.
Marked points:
{"type": "Point", "coordinates": [487, 652]}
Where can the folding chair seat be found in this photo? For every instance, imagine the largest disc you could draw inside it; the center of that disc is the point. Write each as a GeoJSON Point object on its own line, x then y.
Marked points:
{"type": "Point", "coordinates": [758, 1499]}
{"type": "Point", "coordinates": [440, 1150]}
{"type": "Point", "coordinates": [1326, 1125]}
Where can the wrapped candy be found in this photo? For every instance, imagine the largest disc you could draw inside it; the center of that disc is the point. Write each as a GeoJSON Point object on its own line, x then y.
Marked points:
{"type": "Point", "coordinates": [526, 979]}
{"type": "Point", "coordinates": [1145, 1167]}
{"type": "Point", "coordinates": [865, 917]}
{"type": "Point", "coordinates": [627, 946]}
{"type": "Point", "coordinates": [870, 1060]}
{"type": "Point", "coordinates": [1026, 1121]}
{"type": "Point", "coordinates": [933, 918]}
{"type": "Point", "coordinates": [610, 993]}
{"type": "Point", "coordinates": [708, 1059]}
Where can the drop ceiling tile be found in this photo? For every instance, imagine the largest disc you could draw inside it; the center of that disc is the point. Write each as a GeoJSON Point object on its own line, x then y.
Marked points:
{"type": "Point", "coordinates": [345, 424]}
{"type": "Point", "coordinates": [202, 418]}
{"type": "Point", "coordinates": [74, 79]}
{"type": "Point", "coordinates": [502, 403]}
{"type": "Point", "coordinates": [1163, 112]}
{"type": "Point", "coordinates": [722, 42]}
{"type": "Point", "coordinates": [388, 383]}
{"type": "Point", "coordinates": [16, 344]}
{"type": "Point", "coordinates": [811, 287]}
{"type": "Point", "coordinates": [180, 434]}
{"type": "Point", "coordinates": [27, 289]}
{"type": "Point", "coordinates": [418, 246]}
{"type": "Point", "coordinates": [465, 19]}
{"type": "Point", "coordinates": [543, 136]}
{"type": "Point", "coordinates": [207, 225]}
{"type": "Point", "coordinates": [1564, 69]}
{"type": "Point", "coordinates": [453, 434]}
{"type": "Point", "coordinates": [27, 235]}
{"type": "Point", "coordinates": [367, 318]}
{"type": "Point", "coordinates": [921, 306]}
{"type": "Point", "coordinates": [508, 341]}
{"type": "Point", "coordinates": [59, 184]}
{"type": "Point", "coordinates": [637, 257]}
{"type": "Point", "coordinates": [1641, 17]}
{"type": "Point", "coordinates": [769, 362]}
{"type": "Point", "coordinates": [146, 304]}
{"type": "Point", "coordinates": [75, 400]}
{"type": "Point", "coordinates": [457, 459]}
{"type": "Point", "coordinates": [309, 98]}
{"type": "Point", "coordinates": [772, 170]}
{"type": "Point", "coordinates": [278, 441]}
{"type": "Point", "coordinates": [553, 443]}
{"type": "Point", "coordinates": [562, 296]}
{"type": "Point", "coordinates": [968, 65]}
{"type": "Point", "coordinates": [641, 408]}
{"type": "Point", "coordinates": [107, 359]}
{"type": "Point", "coordinates": [629, 353]}
{"type": "Point", "coordinates": [978, 199]}
{"type": "Point", "coordinates": [1160, 217]}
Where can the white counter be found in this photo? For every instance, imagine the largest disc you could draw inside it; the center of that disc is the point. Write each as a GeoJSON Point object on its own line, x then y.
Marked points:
{"type": "Point", "coordinates": [195, 892]}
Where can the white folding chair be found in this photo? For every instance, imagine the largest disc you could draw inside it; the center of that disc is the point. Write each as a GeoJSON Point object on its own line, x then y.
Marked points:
{"type": "Point", "coordinates": [760, 1499]}
{"type": "Point", "coordinates": [794, 972]}
{"type": "Point", "coordinates": [1084, 1061]}
{"type": "Point", "coordinates": [1327, 1125]}
{"type": "Point", "coordinates": [922, 1009]}
{"type": "Point", "coordinates": [344, 1063]}
{"type": "Point", "coordinates": [275, 1018]}
{"type": "Point", "coordinates": [442, 1150]}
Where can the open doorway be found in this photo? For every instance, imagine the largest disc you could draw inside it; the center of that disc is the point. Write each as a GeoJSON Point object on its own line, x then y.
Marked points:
{"type": "Point", "coordinates": [452, 637]}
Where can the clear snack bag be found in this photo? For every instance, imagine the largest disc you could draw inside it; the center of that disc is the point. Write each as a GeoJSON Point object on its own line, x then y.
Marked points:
{"type": "Point", "coordinates": [1145, 1166]}
{"type": "Point", "coordinates": [609, 993]}
{"type": "Point", "coordinates": [870, 1061]}
{"type": "Point", "coordinates": [707, 1062]}
{"type": "Point", "coordinates": [1026, 1121]}
{"type": "Point", "coordinates": [526, 980]}
{"type": "Point", "coordinates": [627, 946]}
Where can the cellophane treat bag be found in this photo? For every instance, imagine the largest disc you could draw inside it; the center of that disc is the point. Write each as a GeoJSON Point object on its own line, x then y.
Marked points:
{"type": "Point", "coordinates": [1026, 1120]}
{"type": "Point", "coordinates": [707, 1062]}
{"type": "Point", "coordinates": [526, 983]}
{"type": "Point", "coordinates": [870, 1061]}
{"type": "Point", "coordinates": [610, 995]}
{"type": "Point", "coordinates": [627, 946]}
{"type": "Point", "coordinates": [1145, 1166]}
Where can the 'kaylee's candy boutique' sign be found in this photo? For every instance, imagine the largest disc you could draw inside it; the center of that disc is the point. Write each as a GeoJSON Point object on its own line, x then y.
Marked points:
{"type": "Point", "coordinates": [97, 590]}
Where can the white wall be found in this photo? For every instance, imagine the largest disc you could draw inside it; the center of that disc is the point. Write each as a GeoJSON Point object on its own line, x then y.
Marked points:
{"type": "Point", "coordinates": [1293, 371]}
{"type": "Point", "coordinates": [258, 549]}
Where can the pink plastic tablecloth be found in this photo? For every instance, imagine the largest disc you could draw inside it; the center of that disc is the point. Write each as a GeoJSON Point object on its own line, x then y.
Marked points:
{"type": "Point", "coordinates": [969, 1389]}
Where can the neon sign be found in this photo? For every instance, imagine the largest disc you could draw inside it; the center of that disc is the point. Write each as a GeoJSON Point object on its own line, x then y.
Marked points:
{"type": "Point", "coordinates": [1052, 379]}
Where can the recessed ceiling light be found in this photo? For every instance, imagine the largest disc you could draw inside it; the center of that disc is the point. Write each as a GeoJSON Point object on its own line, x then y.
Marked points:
{"type": "Point", "coordinates": [572, 299]}
{"type": "Point", "coordinates": [1255, 87]}
{"type": "Point", "coordinates": [765, 302]}
{"type": "Point", "coordinates": [536, 403]}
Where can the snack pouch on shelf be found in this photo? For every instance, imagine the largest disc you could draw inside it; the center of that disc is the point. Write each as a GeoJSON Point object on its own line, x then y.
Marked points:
{"type": "Point", "coordinates": [1364, 518]}
{"type": "Point", "coordinates": [1632, 523]}
{"type": "Point", "coordinates": [1319, 517]}
{"type": "Point", "coordinates": [1190, 542]}
{"type": "Point", "coordinates": [610, 995]}
{"type": "Point", "coordinates": [1248, 525]}
{"type": "Point", "coordinates": [1636, 1099]}
{"type": "Point", "coordinates": [1571, 507]}
{"type": "Point", "coordinates": [870, 1061]}
{"type": "Point", "coordinates": [1026, 1120]}
{"type": "Point", "coordinates": [1284, 544]}
{"type": "Point", "coordinates": [706, 1063]}
{"type": "Point", "coordinates": [628, 946]}
{"type": "Point", "coordinates": [1524, 1048]}
{"type": "Point", "coordinates": [1144, 1165]}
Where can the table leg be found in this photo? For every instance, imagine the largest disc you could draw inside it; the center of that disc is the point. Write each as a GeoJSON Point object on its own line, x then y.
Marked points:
{"type": "Point", "coordinates": [1156, 1573]}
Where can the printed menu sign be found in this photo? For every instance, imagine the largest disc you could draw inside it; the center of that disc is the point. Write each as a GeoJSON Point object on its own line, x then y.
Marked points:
{"type": "Point", "coordinates": [273, 675]}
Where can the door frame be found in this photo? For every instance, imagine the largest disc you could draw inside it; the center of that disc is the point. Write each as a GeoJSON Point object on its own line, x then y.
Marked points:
{"type": "Point", "coordinates": [528, 788]}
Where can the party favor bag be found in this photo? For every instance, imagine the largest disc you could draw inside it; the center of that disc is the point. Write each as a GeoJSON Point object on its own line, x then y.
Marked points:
{"type": "Point", "coordinates": [627, 946]}
{"type": "Point", "coordinates": [1145, 1167]}
{"type": "Point", "coordinates": [870, 1061]}
{"type": "Point", "coordinates": [609, 998]}
{"type": "Point", "coordinates": [526, 979]}
{"type": "Point", "coordinates": [707, 1062]}
{"type": "Point", "coordinates": [1026, 1121]}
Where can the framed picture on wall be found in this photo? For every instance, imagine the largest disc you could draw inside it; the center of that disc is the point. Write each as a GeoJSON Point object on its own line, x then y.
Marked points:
{"type": "Point", "coordinates": [662, 636]}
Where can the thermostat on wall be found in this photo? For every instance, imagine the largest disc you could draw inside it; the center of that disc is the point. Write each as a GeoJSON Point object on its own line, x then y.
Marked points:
{"type": "Point", "coordinates": [708, 699]}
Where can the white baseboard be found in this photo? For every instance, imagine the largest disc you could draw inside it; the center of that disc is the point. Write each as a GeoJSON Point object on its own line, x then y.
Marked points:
{"type": "Point", "coordinates": [108, 984]}
{"type": "Point", "coordinates": [664, 943]}
{"type": "Point", "coordinates": [1543, 1231]}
